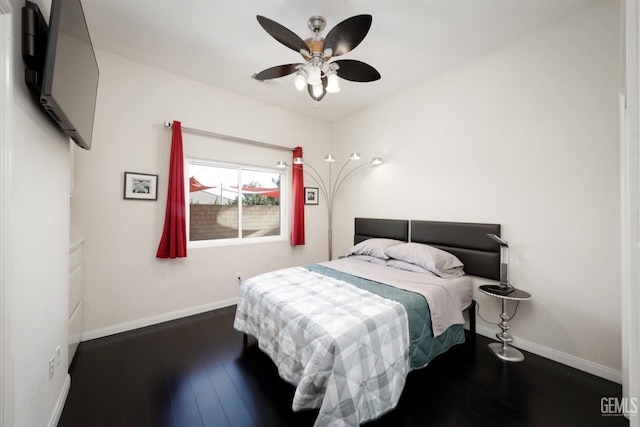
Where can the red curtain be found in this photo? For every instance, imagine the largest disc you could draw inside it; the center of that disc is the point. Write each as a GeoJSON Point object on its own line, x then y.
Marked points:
{"type": "Point", "coordinates": [297, 228]}
{"type": "Point", "coordinates": [174, 237]}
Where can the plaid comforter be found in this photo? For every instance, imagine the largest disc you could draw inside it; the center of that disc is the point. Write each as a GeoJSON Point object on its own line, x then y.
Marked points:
{"type": "Point", "coordinates": [345, 349]}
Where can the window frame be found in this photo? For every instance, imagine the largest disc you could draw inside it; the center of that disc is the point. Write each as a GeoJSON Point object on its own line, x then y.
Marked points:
{"type": "Point", "coordinates": [285, 195]}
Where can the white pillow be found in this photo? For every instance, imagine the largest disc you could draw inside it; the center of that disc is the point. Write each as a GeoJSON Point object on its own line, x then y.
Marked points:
{"type": "Point", "coordinates": [374, 247]}
{"type": "Point", "coordinates": [396, 263]}
{"type": "Point", "coordinates": [437, 261]}
{"type": "Point", "coordinates": [368, 258]}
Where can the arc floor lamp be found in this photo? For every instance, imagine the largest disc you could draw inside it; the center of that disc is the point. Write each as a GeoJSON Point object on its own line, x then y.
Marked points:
{"type": "Point", "coordinates": [330, 188]}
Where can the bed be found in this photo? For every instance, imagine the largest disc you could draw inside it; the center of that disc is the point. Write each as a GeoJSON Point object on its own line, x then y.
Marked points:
{"type": "Point", "coordinates": [347, 332]}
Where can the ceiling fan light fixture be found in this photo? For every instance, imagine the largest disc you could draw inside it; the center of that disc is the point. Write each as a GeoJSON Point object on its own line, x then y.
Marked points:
{"type": "Point", "coordinates": [354, 156]}
{"type": "Point", "coordinates": [316, 73]}
{"type": "Point", "coordinates": [376, 161]}
{"type": "Point", "coordinates": [329, 158]}
{"type": "Point", "coordinates": [298, 161]}
{"type": "Point", "coordinates": [333, 86]}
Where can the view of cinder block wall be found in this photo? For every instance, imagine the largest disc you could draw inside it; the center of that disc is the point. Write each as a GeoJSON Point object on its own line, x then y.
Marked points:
{"type": "Point", "coordinates": [208, 222]}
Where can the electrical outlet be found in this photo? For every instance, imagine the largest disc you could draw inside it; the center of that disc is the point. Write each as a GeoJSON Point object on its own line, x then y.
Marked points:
{"type": "Point", "coordinates": [57, 356]}
{"type": "Point", "coordinates": [52, 367]}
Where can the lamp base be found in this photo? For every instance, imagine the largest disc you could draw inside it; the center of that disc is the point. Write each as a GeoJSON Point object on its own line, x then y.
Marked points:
{"type": "Point", "coordinates": [506, 353]}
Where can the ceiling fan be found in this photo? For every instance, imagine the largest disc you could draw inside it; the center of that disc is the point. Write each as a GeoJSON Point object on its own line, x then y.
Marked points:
{"type": "Point", "coordinates": [317, 74]}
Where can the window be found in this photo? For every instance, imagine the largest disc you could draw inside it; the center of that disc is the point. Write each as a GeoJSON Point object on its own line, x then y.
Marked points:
{"type": "Point", "coordinates": [232, 203]}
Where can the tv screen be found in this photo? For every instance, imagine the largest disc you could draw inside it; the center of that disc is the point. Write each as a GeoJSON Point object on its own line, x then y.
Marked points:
{"type": "Point", "coordinates": [70, 76]}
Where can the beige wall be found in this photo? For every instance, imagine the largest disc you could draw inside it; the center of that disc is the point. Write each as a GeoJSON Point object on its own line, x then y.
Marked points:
{"type": "Point", "coordinates": [527, 137]}
{"type": "Point", "coordinates": [39, 163]}
{"type": "Point", "coordinates": [125, 285]}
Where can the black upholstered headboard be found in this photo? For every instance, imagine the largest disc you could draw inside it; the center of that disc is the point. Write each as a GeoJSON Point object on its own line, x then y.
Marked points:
{"type": "Point", "coordinates": [367, 228]}
{"type": "Point", "coordinates": [468, 241]}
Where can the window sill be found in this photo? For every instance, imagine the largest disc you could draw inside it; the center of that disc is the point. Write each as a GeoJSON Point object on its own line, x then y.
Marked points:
{"type": "Point", "coordinates": [234, 242]}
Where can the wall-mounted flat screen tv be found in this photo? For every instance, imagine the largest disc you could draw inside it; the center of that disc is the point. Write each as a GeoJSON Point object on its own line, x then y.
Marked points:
{"type": "Point", "coordinates": [70, 75]}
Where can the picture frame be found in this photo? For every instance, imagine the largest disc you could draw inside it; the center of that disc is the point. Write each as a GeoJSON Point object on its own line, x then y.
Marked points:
{"type": "Point", "coordinates": [140, 186]}
{"type": "Point", "coordinates": [311, 196]}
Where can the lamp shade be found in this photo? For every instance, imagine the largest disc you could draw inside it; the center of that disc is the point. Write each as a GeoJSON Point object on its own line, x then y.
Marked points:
{"type": "Point", "coordinates": [317, 90]}
{"type": "Point", "coordinates": [300, 81]}
{"type": "Point", "coordinates": [333, 86]}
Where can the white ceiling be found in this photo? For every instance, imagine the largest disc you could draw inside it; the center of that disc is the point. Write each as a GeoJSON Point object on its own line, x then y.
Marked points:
{"type": "Point", "coordinates": [219, 42]}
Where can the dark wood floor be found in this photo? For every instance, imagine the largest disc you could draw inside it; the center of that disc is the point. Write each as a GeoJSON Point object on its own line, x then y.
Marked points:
{"type": "Point", "coordinates": [193, 372]}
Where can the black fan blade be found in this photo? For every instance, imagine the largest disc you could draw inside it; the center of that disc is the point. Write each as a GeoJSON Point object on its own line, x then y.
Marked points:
{"type": "Point", "coordinates": [324, 90]}
{"type": "Point", "coordinates": [356, 71]}
{"type": "Point", "coordinates": [282, 34]}
{"type": "Point", "coordinates": [348, 34]}
{"type": "Point", "coordinates": [275, 72]}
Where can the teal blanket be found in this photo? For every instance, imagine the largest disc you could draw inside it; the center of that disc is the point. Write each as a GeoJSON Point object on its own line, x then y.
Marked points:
{"type": "Point", "coordinates": [424, 347]}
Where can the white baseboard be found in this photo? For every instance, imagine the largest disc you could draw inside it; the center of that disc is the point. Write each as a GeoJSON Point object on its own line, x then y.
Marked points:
{"type": "Point", "coordinates": [557, 356]}
{"type": "Point", "coordinates": [153, 320]}
{"type": "Point", "coordinates": [62, 398]}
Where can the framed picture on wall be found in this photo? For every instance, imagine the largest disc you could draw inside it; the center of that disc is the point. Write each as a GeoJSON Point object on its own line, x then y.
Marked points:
{"type": "Point", "coordinates": [140, 186]}
{"type": "Point", "coordinates": [310, 196]}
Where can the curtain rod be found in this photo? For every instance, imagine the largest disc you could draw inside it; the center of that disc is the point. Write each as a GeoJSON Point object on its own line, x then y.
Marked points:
{"type": "Point", "coordinates": [168, 124]}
